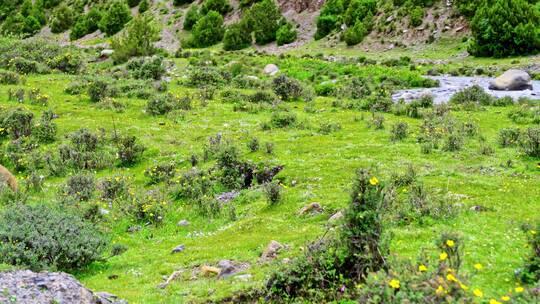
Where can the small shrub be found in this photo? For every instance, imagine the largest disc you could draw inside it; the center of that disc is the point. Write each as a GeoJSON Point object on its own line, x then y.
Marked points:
{"type": "Point", "coordinates": [160, 173]}
{"type": "Point", "coordinates": [149, 207]}
{"type": "Point", "coordinates": [137, 40]}
{"type": "Point", "coordinates": [97, 90]}
{"type": "Point", "coordinates": [286, 34]}
{"type": "Point", "coordinates": [45, 130]}
{"type": "Point", "coordinates": [62, 19]}
{"type": "Point", "coordinates": [377, 121]}
{"type": "Point", "coordinates": [453, 142]}
{"type": "Point", "coordinates": [355, 34]}
{"type": "Point", "coordinates": [39, 238]}
{"type": "Point", "coordinates": [529, 142]}
{"type": "Point", "coordinates": [192, 16]}
{"type": "Point", "coordinates": [472, 96]}
{"type": "Point", "coordinates": [10, 78]}
{"type": "Point", "coordinates": [254, 145]}
{"type": "Point", "coordinates": [531, 270]}
{"type": "Point", "coordinates": [207, 31]}
{"type": "Point", "coordinates": [286, 88]}
{"type": "Point", "coordinates": [272, 192]}
{"type": "Point", "coordinates": [399, 131]}
{"type": "Point", "coordinates": [269, 147]}
{"type": "Point", "coordinates": [283, 119]}
{"type": "Point", "coordinates": [113, 188]}
{"type": "Point", "coordinates": [236, 37]}
{"type": "Point", "coordinates": [78, 188]}
{"type": "Point", "coordinates": [18, 122]}
{"type": "Point", "coordinates": [129, 150]}
{"type": "Point", "coordinates": [509, 137]}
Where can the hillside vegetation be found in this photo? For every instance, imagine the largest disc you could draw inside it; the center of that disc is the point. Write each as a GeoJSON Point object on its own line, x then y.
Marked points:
{"type": "Point", "coordinates": [252, 151]}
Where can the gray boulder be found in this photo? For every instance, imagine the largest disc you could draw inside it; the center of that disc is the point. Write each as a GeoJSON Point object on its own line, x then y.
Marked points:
{"type": "Point", "coordinates": [271, 69]}
{"type": "Point", "coordinates": [27, 287]}
{"type": "Point", "coordinates": [512, 80]}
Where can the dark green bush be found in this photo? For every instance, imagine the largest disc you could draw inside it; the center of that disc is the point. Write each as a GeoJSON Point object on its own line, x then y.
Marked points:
{"type": "Point", "coordinates": [416, 17]}
{"type": "Point", "coordinates": [287, 88]}
{"type": "Point", "coordinates": [358, 10]}
{"type": "Point", "coordinates": [341, 260]}
{"type": "Point", "coordinates": [472, 96]}
{"type": "Point", "coordinates": [181, 2]}
{"type": "Point", "coordinates": [98, 90]}
{"type": "Point", "coordinates": [220, 6]}
{"type": "Point", "coordinates": [355, 34]}
{"type": "Point", "coordinates": [529, 141]}
{"type": "Point", "coordinates": [18, 122]}
{"type": "Point", "coordinates": [144, 6]}
{"type": "Point", "coordinates": [505, 28]}
{"type": "Point", "coordinates": [137, 40]}
{"type": "Point", "coordinates": [286, 34]}
{"type": "Point", "coordinates": [531, 269]}
{"type": "Point", "coordinates": [273, 192]}
{"type": "Point", "coordinates": [236, 37]}
{"type": "Point", "coordinates": [129, 150]}
{"type": "Point", "coordinates": [263, 19]}
{"type": "Point", "coordinates": [509, 137]}
{"type": "Point", "coordinates": [62, 19]}
{"type": "Point", "coordinates": [115, 16]}
{"type": "Point", "coordinates": [207, 31]}
{"type": "Point", "coordinates": [192, 16]}
{"type": "Point", "coordinates": [133, 3]}
{"type": "Point", "coordinates": [39, 238]}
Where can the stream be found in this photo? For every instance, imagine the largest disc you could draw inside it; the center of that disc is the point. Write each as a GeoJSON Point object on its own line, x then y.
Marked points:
{"type": "Point", "coordinates": [449, 85]}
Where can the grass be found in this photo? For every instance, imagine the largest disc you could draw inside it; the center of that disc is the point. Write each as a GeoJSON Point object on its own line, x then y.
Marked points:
{"type": "Point", "coordinates": [320, 167]}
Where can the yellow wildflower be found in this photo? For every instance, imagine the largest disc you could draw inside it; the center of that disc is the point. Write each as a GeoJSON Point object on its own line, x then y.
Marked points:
{"type": "Point", "coordinates": [450, 243]}
{"type": "Point", "coordinates": [519, 289]}
{"type": "Point", "coordinates": [443, 256]}
{"type": "Point", "coordinates": [463, 286]}
{"type": "Point", "coordinates": [505, 298]}
{"type": "Point", "coordinates": [374, 181]}
{"type": "Point", "coordinates": [477, 292]}
{"type": "Point", "coordinates": [450, 277]}
{"type": "Point", "coordinates": [422, 268]}
{"type": "Point", "coordinates": [439, 290]}
{"type": "Point", "coordinates": [478, 266]}
{"type": "Point", "coordinates": [493, 301]}
{"type": "Point", "coordinates": [394, 284]}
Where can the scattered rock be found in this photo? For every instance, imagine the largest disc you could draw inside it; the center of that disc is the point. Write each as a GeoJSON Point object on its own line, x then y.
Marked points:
{"type": "Point", "coordinates": [170, 279]}
{"type": "Point", "coordinates": [229, 268]}
{"type": "Point", "coordinates": [271, 69]}
{"type": "Point", "coordinates": [243, 277]}
{"type": "Point", "coordinates": [179, 248]}
{"type": "Point", "coordinates": [512, 80]}
{"type": "Point", "coordinates": [336, 217]}
{"type": "Point", "coordinates": [227, 196]}
{"type": "Point", "coordinates": [209, 270]}
{"type": "Point", "coordinates": [182, 223]}
{"type": "Point", "coordinates": [103, 211]}
{"type": "Point", "coordinates": [271, 251]}
{"type": "Point", "coordinates": [28, 287]}
{"type": "Point", "coordinates": [312, 208]}
{"type": "Point", "coordinates": [133, 229]}
{"type": "Point", "coordinates": [106, 54]}
{"type": "Point", "coordinates": [479, 208]}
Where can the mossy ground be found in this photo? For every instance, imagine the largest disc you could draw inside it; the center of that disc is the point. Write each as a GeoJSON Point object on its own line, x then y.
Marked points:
{"type": "Point", "coordinates": [322, 167]}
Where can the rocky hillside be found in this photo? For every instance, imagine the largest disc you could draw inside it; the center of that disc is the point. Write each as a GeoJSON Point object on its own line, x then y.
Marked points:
{"type": "Point", "coordinates": [391, 26]}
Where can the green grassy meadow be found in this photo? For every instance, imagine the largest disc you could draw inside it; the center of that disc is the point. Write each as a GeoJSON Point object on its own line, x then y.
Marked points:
{"type": "Point", "coordinates": [318, 168]}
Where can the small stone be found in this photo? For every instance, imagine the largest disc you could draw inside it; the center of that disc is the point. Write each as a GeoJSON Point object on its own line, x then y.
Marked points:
{"type": "Point", "coordinates": [244, 277]}
{"type": "Point", "coordinates": [179, 248]}
{"type": "Point", "coordinates": [336, 217]}
{"type": "Point", "coordinates": [271, 251]}
{"type": "Point", "coordinates": [182, 223]}
{"type": "Point", "coordinates": [312, 208]}
{"type": "Point", "coordinates": [133, 229]}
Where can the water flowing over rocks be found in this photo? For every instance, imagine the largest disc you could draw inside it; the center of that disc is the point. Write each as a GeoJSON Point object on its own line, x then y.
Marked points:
{"type": "Point", "coordinates": [450, 85]}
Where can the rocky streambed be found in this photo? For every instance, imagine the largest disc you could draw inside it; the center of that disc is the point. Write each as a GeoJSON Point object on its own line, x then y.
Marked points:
{"type": "Point", "coordinates": [450, 85]}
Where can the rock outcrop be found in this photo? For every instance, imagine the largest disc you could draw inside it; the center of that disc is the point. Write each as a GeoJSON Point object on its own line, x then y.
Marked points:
{"type": "Point", "coordinates": [27, 287]}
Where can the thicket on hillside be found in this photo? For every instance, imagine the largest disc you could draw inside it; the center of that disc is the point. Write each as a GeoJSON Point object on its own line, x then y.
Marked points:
{"type": "Point", "coordinates": [115, 17]}
{"type": "Point", "coordinates": [286, 34]}
{"type": "Point", "coordinates": [62, 19]}
{"type": "Point", "coordinates": [237, 37]}
{"type": "Point", "coordinates": [220, 6]}
{"type": "Point", "coordinates": [206, 32]}
{"type": "Point", "coordinates": [27, 22]}
{"type": "Point", "coordinates": [86, 24]}
{"type": "Point", "coordinates": [505, 28]}
{"type": "Point", "coordinates": [137, 39]}
{"type": "Point", "coordinates": [263, 19]}
{"type": "Point", "coordinates": [337, 12]}
{"type": "Point", "coordinates": [192, 16]}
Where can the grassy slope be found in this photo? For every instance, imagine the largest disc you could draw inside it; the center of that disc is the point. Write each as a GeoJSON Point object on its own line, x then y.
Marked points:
{"type": "Point", "coordinates": [323, 166]}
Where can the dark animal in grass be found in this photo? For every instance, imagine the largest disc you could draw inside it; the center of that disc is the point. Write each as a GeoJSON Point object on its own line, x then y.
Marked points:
{"type": "Point", "coordinates": [7, 178]}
